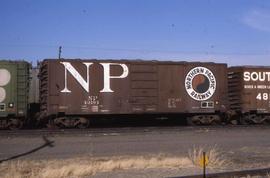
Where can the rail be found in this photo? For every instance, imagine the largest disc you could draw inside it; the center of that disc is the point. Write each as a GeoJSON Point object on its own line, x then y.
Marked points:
{"type": "Point", "coordinates": [234, 174]}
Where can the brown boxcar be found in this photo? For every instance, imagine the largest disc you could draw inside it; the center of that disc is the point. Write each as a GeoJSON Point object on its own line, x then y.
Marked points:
{"type": "Point", "coordinates": [249, 90]}
{"type": "Point", "coordinates": [72, 91]}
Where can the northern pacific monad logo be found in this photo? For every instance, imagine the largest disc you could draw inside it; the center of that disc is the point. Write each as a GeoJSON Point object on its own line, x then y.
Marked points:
{"type": "Point", "coordinates": [200, 83]}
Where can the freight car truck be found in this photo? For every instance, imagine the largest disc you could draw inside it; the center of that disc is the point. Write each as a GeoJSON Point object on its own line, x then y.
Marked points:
{"type": "Point", "coordinates": [14, 88]}
{"type": "Point", "coordinates": [249, 94]}
{"type": "Point", "coordinates": [74, 91]}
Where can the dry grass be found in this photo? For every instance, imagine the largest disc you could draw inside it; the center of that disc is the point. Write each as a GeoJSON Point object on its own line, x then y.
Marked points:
{"type": "Point", "coordinates": [85, 167]}
{"type": "Point", "coordinates": [214, 154]}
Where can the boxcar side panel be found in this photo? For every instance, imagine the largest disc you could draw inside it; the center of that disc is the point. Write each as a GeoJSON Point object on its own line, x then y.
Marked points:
{"type": "Point", "coordinates": [193, 88]}
{"type": "Point", "coordinates": [172, 95]}
{"type": "Point", "coordinates": [8, 88]}
{"type": "Point", "coordinates": [83, 87]}
{"type": "Point", "coordinates": [78, 87]}
{"type": "Point", "coordinates": [251, 90]}
{"type": "Point", "coordinates": [143, 88]}
{"type": "Point", "coordinates": [14, 86]}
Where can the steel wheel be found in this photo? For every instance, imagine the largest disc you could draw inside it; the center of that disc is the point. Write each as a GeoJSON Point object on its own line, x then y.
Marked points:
{"type": "Point", "coordinates": [15, 124]}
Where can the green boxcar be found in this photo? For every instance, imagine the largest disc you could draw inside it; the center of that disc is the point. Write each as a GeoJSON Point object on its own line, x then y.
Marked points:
{"type": "Point", "coordinates": [14, 93]}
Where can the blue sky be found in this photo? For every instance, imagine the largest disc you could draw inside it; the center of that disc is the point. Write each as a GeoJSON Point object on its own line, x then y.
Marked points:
{"type": "Point", "coordinates": [233, 31]}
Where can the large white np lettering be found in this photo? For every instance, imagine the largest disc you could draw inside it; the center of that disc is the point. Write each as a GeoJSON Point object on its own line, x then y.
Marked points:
{"type": "Point", "coordinates": [77, 76]}
{"type": "Point", "coordinates": [85, 83]}
{"type": "Point", "coordinates": [107, 76]}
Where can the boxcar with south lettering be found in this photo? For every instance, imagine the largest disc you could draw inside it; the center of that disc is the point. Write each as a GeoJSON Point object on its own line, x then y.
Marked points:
{"type": "Point", "coordinates": [249, 93]}
{"type": "Point", "coordinates": [72, 91]}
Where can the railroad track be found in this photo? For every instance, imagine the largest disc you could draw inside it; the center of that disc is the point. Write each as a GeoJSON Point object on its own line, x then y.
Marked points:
{"type": "Point", "coordinates": [94, 131]}
{"type": "Point", "coordinates": [235, 174]}
{"type": "Point", "coordinates": [125, 130]}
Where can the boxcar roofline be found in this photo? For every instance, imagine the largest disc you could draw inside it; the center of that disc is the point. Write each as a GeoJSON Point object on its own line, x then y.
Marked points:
{"type": "Point", "coordinates": [139, 61]}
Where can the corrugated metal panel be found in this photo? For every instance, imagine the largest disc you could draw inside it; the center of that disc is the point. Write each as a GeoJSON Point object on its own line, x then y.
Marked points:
{"type": "Point", "coordinates": [44, 87]}
{"type": "Point", "coordinates": [144, 87]}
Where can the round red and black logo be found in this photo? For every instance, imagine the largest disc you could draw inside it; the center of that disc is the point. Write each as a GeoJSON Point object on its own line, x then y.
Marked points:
{"type": "Point", "coordinates": [200, 83]}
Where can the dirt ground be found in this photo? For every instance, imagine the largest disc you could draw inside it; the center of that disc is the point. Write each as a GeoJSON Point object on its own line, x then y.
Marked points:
{"type": "Point", "coordinates": [158, 153]}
